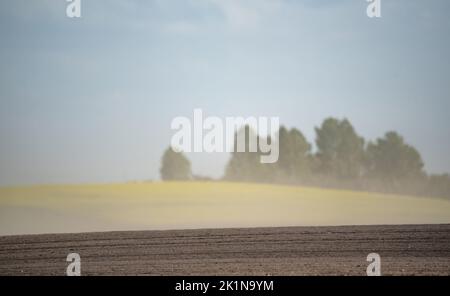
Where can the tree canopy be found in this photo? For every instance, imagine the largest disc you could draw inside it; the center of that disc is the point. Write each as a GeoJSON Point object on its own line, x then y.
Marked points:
{"type": "Point", "coordinates": [293, 162]}
{"type": "Point", "coordinates": [246, 166]}
{"type": "Point", "coordinates": [175, 166]}
{"type": "Point", "coordinates": [340, 150]}
{"type": "Point", "coordinates": [341, 160]}
{"type": "Point", "coordinates": [390, 158]}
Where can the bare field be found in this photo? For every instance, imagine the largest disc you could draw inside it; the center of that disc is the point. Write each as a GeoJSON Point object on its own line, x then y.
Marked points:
{"type": "Point", "coordinates": [341, 250]}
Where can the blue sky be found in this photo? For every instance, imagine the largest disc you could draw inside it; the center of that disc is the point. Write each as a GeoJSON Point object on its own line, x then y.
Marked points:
{"type": "Point", "coordinates": [91, 99]}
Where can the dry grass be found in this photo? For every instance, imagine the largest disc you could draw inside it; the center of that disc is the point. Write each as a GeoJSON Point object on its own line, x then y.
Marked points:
{"type": "Point", "coordinates": [178, 205]}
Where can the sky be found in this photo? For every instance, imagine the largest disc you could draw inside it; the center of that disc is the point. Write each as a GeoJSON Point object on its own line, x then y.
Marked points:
{"type": "Point", "coordinates": [91, 99]}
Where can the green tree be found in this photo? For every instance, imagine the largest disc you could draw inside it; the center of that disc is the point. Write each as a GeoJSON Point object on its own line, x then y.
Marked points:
{"type": "Point", "coordinates": [246, 166]}
{"type": "Point", "coordinates": [340, 149]}
{"type": "Point", "coordinates": [175, 166]}
{"type": "Point", "coordinates": [293, 161]}
{"type": "Point", "coordinates": [391, 159]}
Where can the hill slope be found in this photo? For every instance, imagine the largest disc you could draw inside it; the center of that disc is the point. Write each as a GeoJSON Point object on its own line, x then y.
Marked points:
{"type": "Point", "coordinates": [178, 205]}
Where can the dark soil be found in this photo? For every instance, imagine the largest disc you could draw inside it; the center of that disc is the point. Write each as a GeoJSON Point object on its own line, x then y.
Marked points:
{"type": "Point", "coordinates": [404, 250]}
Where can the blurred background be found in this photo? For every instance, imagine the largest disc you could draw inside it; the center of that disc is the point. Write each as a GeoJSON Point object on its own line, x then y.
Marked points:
{"type": "Point", "coordinates": [91, 99]}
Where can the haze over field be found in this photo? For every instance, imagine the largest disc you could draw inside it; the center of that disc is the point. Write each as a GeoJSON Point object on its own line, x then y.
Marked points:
{"type": "Point", "coordinates": [224, 137]}
{"type": "Point", "coordinates": [183, 205]}
{"type": "Point", "coordinates": [91, 99]}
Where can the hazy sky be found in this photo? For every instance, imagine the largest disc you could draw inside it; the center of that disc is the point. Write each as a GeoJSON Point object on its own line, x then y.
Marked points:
{"type": "Point", "coordinates": [92, 99]}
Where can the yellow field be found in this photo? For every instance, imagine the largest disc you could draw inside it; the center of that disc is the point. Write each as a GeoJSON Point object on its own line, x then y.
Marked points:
{"type": "Point", "coordinates": [178, 205]}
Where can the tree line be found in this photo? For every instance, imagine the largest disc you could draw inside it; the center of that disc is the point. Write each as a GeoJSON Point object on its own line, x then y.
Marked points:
{"type": "Point", "coordinates": [343, 159]}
